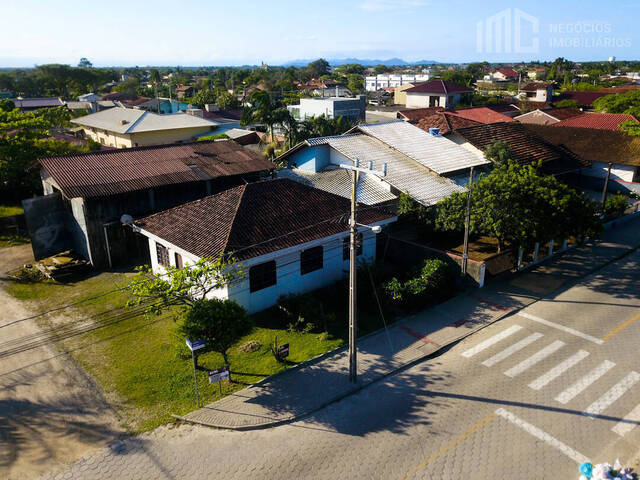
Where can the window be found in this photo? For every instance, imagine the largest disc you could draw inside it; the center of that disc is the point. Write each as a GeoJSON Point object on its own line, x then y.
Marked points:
{"type": "Point", "coordinates": [163, 255]}
{"type": "Point", "coordinates": [262, 276]}
{"type": "Point", "coordinates": [311, 260]}
{"type": "Point", "coordinates": [178, 258]}
{"type": "Point", "coordinates": [345, 246]}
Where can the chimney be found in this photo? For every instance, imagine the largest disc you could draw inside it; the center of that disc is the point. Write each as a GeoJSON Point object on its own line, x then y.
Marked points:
{"type": "Point", "coordinates": [196, 112]}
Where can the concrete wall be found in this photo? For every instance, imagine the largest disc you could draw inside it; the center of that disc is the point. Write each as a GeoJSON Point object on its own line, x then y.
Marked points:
{"type": "Point", "coordinates": [289, 278]}
{"type": "Point", "coordinates": [619, 171]}
{"type": "Point", "coordinates": [312, 159]}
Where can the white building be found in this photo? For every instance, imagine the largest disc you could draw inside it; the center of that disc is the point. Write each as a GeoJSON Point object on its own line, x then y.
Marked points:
{"type": "Point", "coordinates": [375, 83]}
{"type": "Point", "coordinates": [436, 93]}
{"type": "Point", "coordinates": [288, 238]}
{"type": "Point", "coordinates": [352, 109]}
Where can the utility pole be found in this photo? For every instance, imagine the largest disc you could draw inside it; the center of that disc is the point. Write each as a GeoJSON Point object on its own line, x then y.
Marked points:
{"type": "Point", "coordinates": [606, 186]}
{"type": "Point", "coordinates": [353, 259]}
{"type": "Point", "coordinates": [467, 220]}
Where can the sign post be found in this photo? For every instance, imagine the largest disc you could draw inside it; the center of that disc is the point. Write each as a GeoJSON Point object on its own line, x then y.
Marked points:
{"type": "Point", "coordinates": [194, 346]}
{"type": "Point", "coordinates": [216, 376]}
{"type": "Point", "coordinates": [283, 351]}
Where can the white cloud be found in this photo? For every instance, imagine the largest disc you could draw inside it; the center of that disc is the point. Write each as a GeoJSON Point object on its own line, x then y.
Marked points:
{"type": "Point", "coordinates": [381, 5]}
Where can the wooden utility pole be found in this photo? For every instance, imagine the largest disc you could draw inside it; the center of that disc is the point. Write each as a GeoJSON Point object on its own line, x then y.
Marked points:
{"type": "Point", "coordinates": [467, 220]}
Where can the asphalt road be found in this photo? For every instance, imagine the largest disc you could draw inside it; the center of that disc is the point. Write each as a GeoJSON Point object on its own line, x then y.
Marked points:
{"type": "Point", "coordinates": [531, 396]}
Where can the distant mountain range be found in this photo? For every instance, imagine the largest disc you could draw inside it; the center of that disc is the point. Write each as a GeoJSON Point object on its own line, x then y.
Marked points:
{"type": "Point", "coordinates": [334, 62]}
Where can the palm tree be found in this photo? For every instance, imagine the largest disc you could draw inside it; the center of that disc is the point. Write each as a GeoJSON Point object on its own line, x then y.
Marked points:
{"type": "Point", "coordinates": [262, 110]}
{"type": "Point", "coordinates": [155, 78]}
{"type": "Point", "coordinates": [288, 123]}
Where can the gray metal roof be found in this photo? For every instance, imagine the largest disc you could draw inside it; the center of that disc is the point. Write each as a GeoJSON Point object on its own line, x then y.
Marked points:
{"type": "Point", "coordinates": [370, 191]}
{"type": "Point", "coordinates": [131, 120]}
{"type": "Point", "coordinates": [403, 173]}
{"type": "Point", "coordinates": [434, 152]}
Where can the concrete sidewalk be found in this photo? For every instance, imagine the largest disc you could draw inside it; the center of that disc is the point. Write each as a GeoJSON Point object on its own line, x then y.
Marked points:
{"type": "Point", "coordinates": [308, 387]}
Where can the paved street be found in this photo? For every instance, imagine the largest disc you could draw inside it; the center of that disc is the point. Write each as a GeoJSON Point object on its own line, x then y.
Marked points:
{"type": "Point", "coordinates": [537, 392]}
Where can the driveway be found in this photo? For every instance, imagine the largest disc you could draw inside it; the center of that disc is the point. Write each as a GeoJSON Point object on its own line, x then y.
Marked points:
{"type": "Point", "coordinates": [51, 413]}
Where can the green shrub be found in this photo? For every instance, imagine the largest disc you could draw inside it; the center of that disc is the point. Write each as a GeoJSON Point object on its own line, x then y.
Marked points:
{"type": "Point", "coordinates": [615, 205]}
{"type": "Point", "coordinates": [426, 284]}
{"type": "Point", "coordinates": [304, 313]}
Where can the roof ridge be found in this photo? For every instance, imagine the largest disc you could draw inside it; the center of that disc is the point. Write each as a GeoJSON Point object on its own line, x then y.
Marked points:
{"type": "Point", "coordinates": [235, 215]}
{"type": "Point", "coordinates": [136, 121]}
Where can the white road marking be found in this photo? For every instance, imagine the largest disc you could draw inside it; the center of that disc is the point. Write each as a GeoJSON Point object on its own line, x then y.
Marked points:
{"type": "Point", "coordinates": [612, 395]}
{"type": "Point", "coordinates": [498, 357]}
{"type": "Point", "coordinates": [490, 341]}
{"type": "Point", "coordinates": [628, 422]}
{"type": "Point", "coordinates": [558, 370]}
{"type": "Point", "coordinates": [572, 331]}
{"type": "Point", "coordinates": [544, 436]}
{"type": "Point", "coordinates": [535, 358]}
{"type": "Point", "coordinates": [585, 381]}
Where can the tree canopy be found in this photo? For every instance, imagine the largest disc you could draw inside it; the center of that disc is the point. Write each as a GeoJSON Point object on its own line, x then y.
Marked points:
{"type": "Point", "coordinates": [628, 102]}
{"type": "Point", "coordinates": [519, 206]}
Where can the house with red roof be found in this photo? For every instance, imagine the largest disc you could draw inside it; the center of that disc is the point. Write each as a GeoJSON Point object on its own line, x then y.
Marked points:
{"type": "Point", "coordinates": [437, 93]}
{"type": "Point", "coordinates": [598, 121]}
{"type": "Point", "coordinates": [506, 75]}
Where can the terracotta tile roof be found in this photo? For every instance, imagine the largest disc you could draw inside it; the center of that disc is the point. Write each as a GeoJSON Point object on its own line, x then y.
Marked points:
{"type": "Point", "coordinates": [599, 121]}
{"type": "Point", "coordinates": [584, 99]}
{"type": "Point", "coordinates": [504, 108]}
{"type": "Point", "coordinates": [534, 86]}
{"type": "Point", "coordinates": [446, 122]}
{"type": "Point", "coordinates": [234, 114]}
{"type": "Point", "coordinates": [438, 86]}
{"type": "Point", "coordinates": [591, 144]}
{"type": "Point", "coordinates": [508, 72]}
{"type": "Point", "coordinates": [112, 172]}
{"type": "Point", "coordinates": [563, 113]}
{"type": "Point", "coordinates": [482, 115]}
{"type": "Point", "coordinates": [525, 146]}
{"type": "Point", "coordinates": [255, 219]}
{"type": "Point", "coordinates": [415, 114]}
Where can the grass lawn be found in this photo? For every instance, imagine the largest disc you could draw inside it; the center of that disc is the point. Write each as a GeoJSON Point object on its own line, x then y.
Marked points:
{"type": "Point", "coordinates": [139, 361]}
{"type": "Point", "coordinates": [10, 210]}
{"type": "Point", "coordinates": [7, 240]}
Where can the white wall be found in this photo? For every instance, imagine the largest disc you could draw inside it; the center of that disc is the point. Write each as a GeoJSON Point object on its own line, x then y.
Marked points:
{"type": "Point", "coordinates": [289, 278]}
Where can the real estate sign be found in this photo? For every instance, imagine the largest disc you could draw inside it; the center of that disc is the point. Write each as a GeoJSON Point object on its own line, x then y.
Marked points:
{"type": "Point", "coordinates": [218, 375]}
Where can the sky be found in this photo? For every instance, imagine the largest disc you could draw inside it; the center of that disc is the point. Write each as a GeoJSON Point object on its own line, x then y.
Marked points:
{"type": "Point", "coordinates": [213, 32]}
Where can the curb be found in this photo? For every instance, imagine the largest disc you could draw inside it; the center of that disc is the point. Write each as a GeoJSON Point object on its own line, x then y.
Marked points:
{"type": "Point", "coordinates": [439, 351]}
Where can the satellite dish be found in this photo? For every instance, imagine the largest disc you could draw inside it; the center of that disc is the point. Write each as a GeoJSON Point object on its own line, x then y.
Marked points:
{"type": "Point", "coordinates": [126, 219]}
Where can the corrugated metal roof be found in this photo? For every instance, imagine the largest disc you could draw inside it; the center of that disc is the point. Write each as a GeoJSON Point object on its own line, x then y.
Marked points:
{"type": "Point", "coordinates": [434, 152]}
{"type": "Point", "coordinates": [130, 120]}
{"type": "Point", "coordinates": [403, 173]}
{"type": "Point", "coordinates": [370, 191]}
{"type": "Point", "coordinates": [117, 171]}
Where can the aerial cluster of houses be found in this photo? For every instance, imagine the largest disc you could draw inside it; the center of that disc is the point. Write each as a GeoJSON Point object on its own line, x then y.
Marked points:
{"type": "Point", "coordinates": [156, 195]}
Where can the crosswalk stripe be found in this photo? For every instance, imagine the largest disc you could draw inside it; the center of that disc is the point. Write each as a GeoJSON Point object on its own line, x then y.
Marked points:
{"type": "Point", "coordinates": [542, 435]}
{"type": "Point", "coordinates": [498, 357]}
{"type": "Point", "coordinates": [585, 381]}
{"type": "Point", "coordinates": [612, 395]}
{"type": "Point", "coordinates": [627, 424]}
{"type": "Point", "coordinates": [558, 370]}
{"type": "Point", "coordinates": [535, 358]}
{"type": "Point", "coordinates": [491, 341]}
{"type": "Point", "coordinates": [564, 328]}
